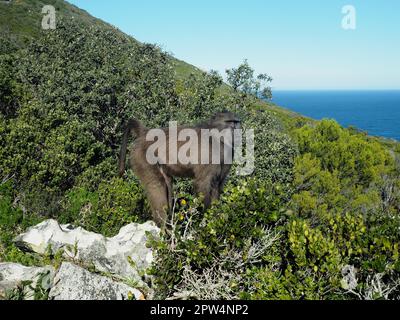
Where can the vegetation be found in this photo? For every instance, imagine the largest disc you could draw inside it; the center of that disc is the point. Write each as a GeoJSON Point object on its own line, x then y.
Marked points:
{"type": "Point", "coordinates": [340, 210]}
{"type": "Point", "coordinates": [318, 218]}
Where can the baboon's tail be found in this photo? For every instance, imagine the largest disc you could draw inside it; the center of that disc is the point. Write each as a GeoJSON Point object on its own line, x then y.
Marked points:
{"type": "Point", "coordinates": [135, 127]}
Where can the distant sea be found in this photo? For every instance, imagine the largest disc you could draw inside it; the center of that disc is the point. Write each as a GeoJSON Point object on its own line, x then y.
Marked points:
{"type": "Point", "coordinates": [376, 112]}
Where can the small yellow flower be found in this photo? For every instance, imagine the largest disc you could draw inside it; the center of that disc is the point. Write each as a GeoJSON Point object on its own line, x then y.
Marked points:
{"type": "Point", "coordinates": [183, 202]}
{"type": "Point", "coordinates": [142, 297]}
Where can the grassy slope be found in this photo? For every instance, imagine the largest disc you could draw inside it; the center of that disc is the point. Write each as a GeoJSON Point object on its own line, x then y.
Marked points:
{"type": "Point", "coordinates": [21, 19]}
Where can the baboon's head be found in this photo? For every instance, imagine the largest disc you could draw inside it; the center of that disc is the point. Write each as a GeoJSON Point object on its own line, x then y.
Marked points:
{"type": "Point", "coordinates": [226, 119]}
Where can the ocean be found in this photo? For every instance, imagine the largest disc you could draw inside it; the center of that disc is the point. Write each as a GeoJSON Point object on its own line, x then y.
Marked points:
{"type": "Point", "coordinates": [376, 112]}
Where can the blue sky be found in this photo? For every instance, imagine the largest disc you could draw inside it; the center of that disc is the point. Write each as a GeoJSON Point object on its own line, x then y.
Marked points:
{"type": "Point", "coordinates": [301, 44]}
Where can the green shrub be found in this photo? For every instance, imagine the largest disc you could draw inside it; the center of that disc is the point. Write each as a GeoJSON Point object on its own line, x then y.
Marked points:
{"type": "Point", "coordinates": [232, 225]}
{"type": "Point", "coordinates": [352, 155]}
{"type": "Point", "coordinates": [115, 204]}
{"type": "Point", "coordinates": [12, 221]}
{"type": "Point", "coordinates": [274, 149]}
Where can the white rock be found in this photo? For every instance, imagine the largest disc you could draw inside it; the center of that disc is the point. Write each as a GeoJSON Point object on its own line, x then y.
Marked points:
{"type": "Point", "coordinates": [349, 280]}
{"type": "Point", "coordinates": [75, 283]}
{"type": "Point", "coordinates": [106, 254]}
{"type": "Point", "coordinates": [12, 275]}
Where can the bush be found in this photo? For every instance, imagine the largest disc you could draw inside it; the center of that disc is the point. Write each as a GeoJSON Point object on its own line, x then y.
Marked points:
{"type": "Point", "coordinates": [274, 149]}
{"type": "Point", "coordinates": [115, 204]}
{"type": "Point", "coordinates": [12, 221]}
{"type": "Point", "coordinates": [354, 157]}
{"type": "Point", "coordinates": [233, 231]}
{"type": "Point", "coordinates": [339, 215]}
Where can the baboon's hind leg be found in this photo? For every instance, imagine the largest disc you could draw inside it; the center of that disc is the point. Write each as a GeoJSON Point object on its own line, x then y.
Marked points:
{"type": "Point", "coordinates": [157, 192]}
{"type": "Point", "coordinates": [158, 198]}
{"type": "Point", "coordinates": [168, 182]}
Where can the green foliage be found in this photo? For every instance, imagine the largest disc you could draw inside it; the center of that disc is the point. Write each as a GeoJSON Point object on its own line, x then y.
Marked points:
{"type": "Point", "coordinates": [339, 214]}
{"type": "Point", "coordinates": [351, 155]}
{"type": "Point", "coordinates": [63, 132]}
{"type": "Point", "coordinates": [334, 217]}
{"type": "Point", "coordinates": [10, 215]}
{"type": "Point", "coordinates": [274, 150]}
{"type": "Point", "coordinates": [198, 95]}
{"type": "Point", "coordinates": [247, 85]}
{"type": "Point", "coordinates": [348, 212]}
{"type": "Point", "coordinates": [38, 290]}
{"type": "Point", "coordinates": [67, 97]}
{"type": "Point", "coordinates": [115, 204]}
{"type": "Point", "coordinates": [233, 223]}
{"type": "Point", "coordinates": [20, 21]}
{"type": "Point", "coordinates": [325, 199]}
{"type": "Point", "coordinates": [9, 89]}
{"type": "Point", "coordinates": [12, 221]}
{"type": "Point", "coordinates": [243, 210]}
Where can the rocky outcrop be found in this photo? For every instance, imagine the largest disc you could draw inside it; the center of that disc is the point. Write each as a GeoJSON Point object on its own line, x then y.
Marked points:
{"type": "Point", "coordinates": [75, 283]}
{"type": "Point", "coordinates": [116, 262]}
{"type": "Point", "coordinates": [13, 275]}
{"type": "Point", "coordinates": [125, 255]}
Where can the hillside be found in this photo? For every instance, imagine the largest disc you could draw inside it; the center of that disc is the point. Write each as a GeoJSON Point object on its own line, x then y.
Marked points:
{"type": "Point", "coordinates": [20, 23]}
{"type": "Point", "coordinates": [317, 219]}
{"type": "Point", "coordinates": [20, 20]}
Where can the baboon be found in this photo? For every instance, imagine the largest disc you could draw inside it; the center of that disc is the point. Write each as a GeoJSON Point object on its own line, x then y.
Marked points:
{"type": "Point", "coordinates": [157, 176]}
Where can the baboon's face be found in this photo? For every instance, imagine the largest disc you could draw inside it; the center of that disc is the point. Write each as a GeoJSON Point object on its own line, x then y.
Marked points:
{"type": "Point", "coordinates": [226, 120]}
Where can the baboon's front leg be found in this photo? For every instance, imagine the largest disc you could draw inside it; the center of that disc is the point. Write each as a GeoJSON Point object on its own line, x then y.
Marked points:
{"type": "Point", "coordinates": [208, 189]}
{"type": "Point", "coordinates": [170, 194]}
{"type": "Point", "coordinates": [222, 179]}
{"type": "Point", "coordinates": [215, 192]}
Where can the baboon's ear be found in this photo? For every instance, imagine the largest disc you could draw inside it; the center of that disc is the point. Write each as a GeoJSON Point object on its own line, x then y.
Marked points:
{"type": "Point", "coordinates": [224, 113]}
{"type": "Point", "coordinates": [215, 117]}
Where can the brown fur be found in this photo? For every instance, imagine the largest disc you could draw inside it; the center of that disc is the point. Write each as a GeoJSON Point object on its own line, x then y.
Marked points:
{"type": "Point", "coordinates": [157, 179]}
